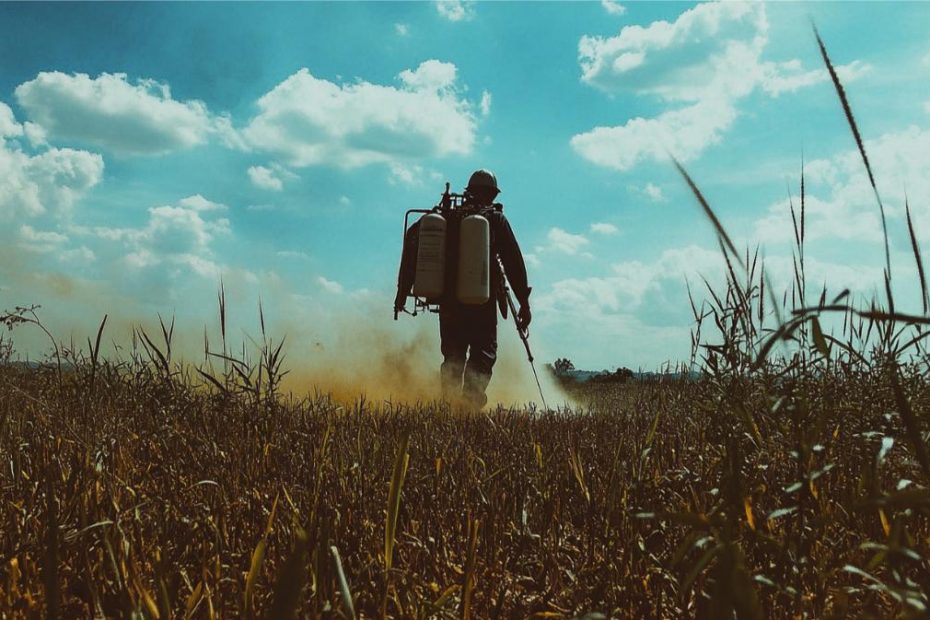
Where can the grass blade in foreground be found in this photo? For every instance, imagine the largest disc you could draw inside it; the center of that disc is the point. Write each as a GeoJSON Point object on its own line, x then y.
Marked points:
{"type": "Point", "coordinates": [841, 93]}
{"type": "Point", "coordinates": [401, 462]}
{"type": "Point", "coordinates": [718, 227]}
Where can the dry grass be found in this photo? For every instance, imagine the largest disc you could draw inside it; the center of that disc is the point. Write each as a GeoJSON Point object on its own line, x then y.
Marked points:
{"type": "Point", "coordinates": [153, 497]}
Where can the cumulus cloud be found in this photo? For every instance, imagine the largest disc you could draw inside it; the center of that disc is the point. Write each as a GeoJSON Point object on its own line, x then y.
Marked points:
{"type": "Point", "coordinates": [613, 8]}
{"type": "Point", "coordinates": [561, 242]}
{"type": "Point", "coordinates": [642, 305]}
{"type": "Point", "coordinates": [177, 236]}
{"type": "Point", "coordinates": [402, 30]}
{"type": "Point", "coordinates": [9, 128]}
{"type": "Point", "coordinates": [456, 10]}
{"type": "Point", "coordinates": [405, 174]}
{"type": "Point", "coordinates": [700, 66]}
{"type": "Point", "coordinates": [47, 183]}
{"type": "Point", "coordinates": [650, 191]}
{"type": "Point", "coordinates": [308, 121]}
{"type": "Point", "coordinates": [38, 192]}
{"type": "Point", "coordinates": [180, 231]}
{"type": "Point", "coordinates": [430, 76]}
{"type": "Point", "coordinates": [684, 132]}
{"type": "Point", "coordinates": [330, 286]}
{"type": "Point", "coordinates": [836, 276]}
{"type": "Point", "coordinates": [110, 112]}
{"type": "Point", "coordinates": [565, 242]}
{"type": "Point", "coordinates": [635, 288]}
{"type": "Point", "coordinates": [604, 228]}
{"type": "Point", "coordinates": [35, 134]}
{"type": "Point", "coordinates": [705, 48]}
{"type": "Point", "coordinates": [78, 255]}
{"type": "Point", "coordinates": [40, 241]}
{"type": "Point", "coordinates": [271, 178]}
{"type": "Point", "coordinates": [265, 178]}
{"type": "Point", "coordinates": [840, 204]}
{"type": "Point", "coordinates": [790, 76]}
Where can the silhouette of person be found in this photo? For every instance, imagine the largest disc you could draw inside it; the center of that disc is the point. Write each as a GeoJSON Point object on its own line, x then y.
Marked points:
{"type": "Point", "coordinates": [468, 333]}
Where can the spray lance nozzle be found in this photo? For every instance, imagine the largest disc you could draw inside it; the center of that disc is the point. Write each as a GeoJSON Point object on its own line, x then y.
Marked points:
{"type": "Point", "coordinates": [522, 331]}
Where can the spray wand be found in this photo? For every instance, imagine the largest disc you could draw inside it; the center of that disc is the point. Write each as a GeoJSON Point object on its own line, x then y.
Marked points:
{"type": "Point", "coordinates": [522, 331]}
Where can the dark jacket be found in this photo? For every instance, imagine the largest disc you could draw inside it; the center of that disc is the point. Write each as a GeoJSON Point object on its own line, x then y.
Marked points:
{"type": "Point", "coordinates": [503, 244]}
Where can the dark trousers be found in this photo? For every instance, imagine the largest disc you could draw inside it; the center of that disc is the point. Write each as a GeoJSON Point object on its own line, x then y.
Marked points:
{"type": "Point", "coordinates": [468, 336]}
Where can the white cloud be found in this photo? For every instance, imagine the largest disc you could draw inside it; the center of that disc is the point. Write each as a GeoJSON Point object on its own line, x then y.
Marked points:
{"type": "Point", "coordinates": [330, 286]}
{"type": "Point", "coordinates": [176, 236]}
{"type": "Point", "coordinates": [839, 201]}
{"type": "Point", "coordinates": [565, 242]}
{"type": "Point", "coordinates": [643, 305]}
{"type": "Point", "coordinates": [199, 203]}
{"type": "Point", "coordinates": [80, 255]}
{"type": "Point", "coordinates": [604, 228]}
{"type": "Point", "coordinates": [402, 30]}
{"type": "Point", "coordinates": [180, 230]}
{"type": "Point", "coordinates": [344, 201]}
{"type": "Point", "coordinates": [35, 134]}
{"type": "Point", "coordinates": [706, 47]}
{"type": "Point", "coordinates": [271, 178]}
{"type": "Point", "coordinates": [40, 241]}
{"type": "Point", "coordinates": [308, 121]}
{"type": "Point", "coordinates": [700, 65]}
{"type": "Point", "coordinates": [485, 103]}
{"type": "Point", "coordinates": [857, 277]}
{"type": "Point", "coordinates": [654, 192]}
{"type": "Point", "coordinates": [684, 132]}
{"type": "Point", "coordinates": [778, 78]}
{"type": "Point", "coordinates": [9, 128]}
{"type": "Point", "coordinates": [110, 112]}
{"type": "Point", "coordinates": [405, 174]}
{"type": "Point", "coordinates": [650, 190]}
{"type": "Point", "coordinates": [825, 219]}
{"type": "Point", "coordinates": [843, 229]}
{"type": "Point", "coordinates": [636, 288]}
{"type": "Point", "coordinates": [48, 183]}
{"type": "Point", "coordinates": [430, 76]}
{"type": "Point", "coordinates": [64, 175]}
{"type": "Point", "coordinates": [265, 178]}
{"type": "Point", "coordinates": [456, 10]}
{"type": "Point", "coordinates": [613, 8]}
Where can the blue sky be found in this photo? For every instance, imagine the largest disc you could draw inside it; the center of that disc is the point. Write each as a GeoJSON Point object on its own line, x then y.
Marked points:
{"type": "Point", "coordinates": [147, 150]}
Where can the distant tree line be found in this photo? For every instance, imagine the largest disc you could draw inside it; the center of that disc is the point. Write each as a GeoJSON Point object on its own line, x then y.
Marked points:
{"type": "Point", "coordinates": [564, 371]}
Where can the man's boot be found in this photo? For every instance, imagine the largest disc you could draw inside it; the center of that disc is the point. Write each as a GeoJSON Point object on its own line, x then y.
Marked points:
{"type": "Point", "coordinates": [473, 391]}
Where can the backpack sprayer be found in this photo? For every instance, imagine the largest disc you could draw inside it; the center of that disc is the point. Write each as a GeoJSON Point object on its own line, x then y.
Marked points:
{"type": "Point", "coordinates": [472, 284]}
{"type": "Point", "coordinates": [473, 281]}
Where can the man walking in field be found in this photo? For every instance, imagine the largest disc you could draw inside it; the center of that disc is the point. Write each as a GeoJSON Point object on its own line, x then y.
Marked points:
{"type": "Point", "coordinates": [468, 333]}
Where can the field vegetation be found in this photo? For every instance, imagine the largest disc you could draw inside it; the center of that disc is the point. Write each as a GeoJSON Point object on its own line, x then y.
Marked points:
{"type": "Point", "coordinates": [789, 479]}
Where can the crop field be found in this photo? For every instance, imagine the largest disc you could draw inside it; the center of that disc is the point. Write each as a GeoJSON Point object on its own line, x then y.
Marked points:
{"type": "Point", "coordinates": [788, 478]}
{"type": "Point", "coordinates": [127, 490]}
